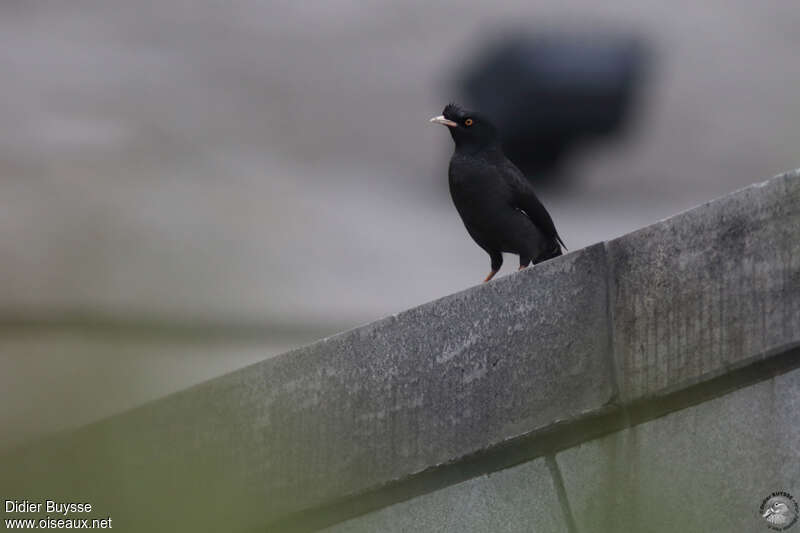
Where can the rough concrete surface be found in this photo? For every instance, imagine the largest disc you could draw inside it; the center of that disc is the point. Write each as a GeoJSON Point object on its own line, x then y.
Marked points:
{"type": "Point", "coordinates": [518, 499]}
{"type": "Point", "coordinates": [711, 288]}
{"type": "Point", "coordinates": [706, 468]}
{"type": "Point", "coordinates": [375, 404]}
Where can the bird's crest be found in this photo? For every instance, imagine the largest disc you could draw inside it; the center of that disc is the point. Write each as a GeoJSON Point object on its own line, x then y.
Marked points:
{"type": "Point", "coordinates": [453, 111]}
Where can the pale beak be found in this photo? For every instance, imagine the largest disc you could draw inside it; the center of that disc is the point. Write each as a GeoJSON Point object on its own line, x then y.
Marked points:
{"type": "Point", "coordinates": [441, 120]}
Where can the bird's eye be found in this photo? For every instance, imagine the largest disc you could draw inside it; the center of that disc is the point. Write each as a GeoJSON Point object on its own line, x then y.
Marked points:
{"type": "Point", "coordinates": [468, 122]}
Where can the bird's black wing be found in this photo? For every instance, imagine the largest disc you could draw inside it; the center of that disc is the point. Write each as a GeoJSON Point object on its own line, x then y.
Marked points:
{"type": "Point", "coordinates": [524, 198]}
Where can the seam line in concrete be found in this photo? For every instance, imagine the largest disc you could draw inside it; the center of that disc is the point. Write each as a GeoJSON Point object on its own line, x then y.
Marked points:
{"type": "Point", "coordinates": [611, 287]}
{"type": "Point", "coordinates": [561, 493]}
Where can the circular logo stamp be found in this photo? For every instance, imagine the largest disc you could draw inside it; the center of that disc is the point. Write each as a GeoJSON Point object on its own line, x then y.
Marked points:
{"type": "Point", "coordinates": [779, 510]}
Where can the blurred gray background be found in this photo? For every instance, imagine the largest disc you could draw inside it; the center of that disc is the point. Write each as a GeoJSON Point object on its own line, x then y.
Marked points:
{"type": "Point", "coordinates": [188, 187]}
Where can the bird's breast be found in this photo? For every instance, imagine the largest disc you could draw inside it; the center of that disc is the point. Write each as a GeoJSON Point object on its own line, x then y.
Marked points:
{"type": "Point", "coordinates": [481, 204]}
{"type": "Point", "coordinates": [473, 186]}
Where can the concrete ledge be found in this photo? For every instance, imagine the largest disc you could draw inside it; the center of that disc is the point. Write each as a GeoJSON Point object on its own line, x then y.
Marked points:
{"type": "Point", "coordinates": [707, 290]}
{"type": "Point", "coordinates": [502, 366]}
{"type": "Point", "coordinates": [354, 411]}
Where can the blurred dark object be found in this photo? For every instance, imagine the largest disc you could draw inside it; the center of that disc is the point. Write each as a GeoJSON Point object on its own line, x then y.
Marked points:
{"type": "Point", "coordinates": [549, 93]}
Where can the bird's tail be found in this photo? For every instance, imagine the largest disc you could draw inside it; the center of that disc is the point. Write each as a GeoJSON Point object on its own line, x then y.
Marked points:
{"type": "Point", "coordinates": [550, 254]}
{"type": "Point", "coordinates": [558, 239]}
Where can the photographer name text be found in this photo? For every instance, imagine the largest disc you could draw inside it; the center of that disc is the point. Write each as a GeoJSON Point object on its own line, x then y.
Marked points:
{"type": "Point", "coordinates": [58, 515]}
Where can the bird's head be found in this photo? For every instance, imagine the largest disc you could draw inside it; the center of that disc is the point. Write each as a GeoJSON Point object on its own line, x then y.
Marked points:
{"type": "Point", "coordinates": [468, 128]}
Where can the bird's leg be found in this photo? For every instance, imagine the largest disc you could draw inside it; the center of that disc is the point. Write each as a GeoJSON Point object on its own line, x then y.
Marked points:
{"type": "Point", "coordinates": [524, 262]}
{"type": "Point", "coordinates": [497, 262]}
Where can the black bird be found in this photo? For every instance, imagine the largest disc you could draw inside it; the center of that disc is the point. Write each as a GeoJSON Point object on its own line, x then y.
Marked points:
{"type": "Point", "coordinates": [493, 197]}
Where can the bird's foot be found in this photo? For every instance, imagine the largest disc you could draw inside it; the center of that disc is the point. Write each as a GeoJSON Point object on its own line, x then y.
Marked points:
{"type": "Point", "coordinates": [522, 267]}
{"type": "Point", "coordinates": [490, 276]}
